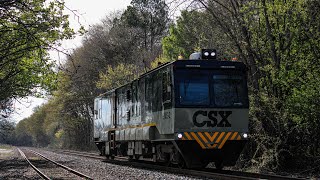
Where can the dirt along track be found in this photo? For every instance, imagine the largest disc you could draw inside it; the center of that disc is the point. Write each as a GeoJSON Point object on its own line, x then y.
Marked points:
{"type": "Point", "coordinates": [49, 169]}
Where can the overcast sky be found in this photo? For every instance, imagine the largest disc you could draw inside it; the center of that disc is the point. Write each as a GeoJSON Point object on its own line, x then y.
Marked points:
{"type": "Point", "coordinates": [94, 10]}
{"type": "Point", "coordinates": [87, 13]}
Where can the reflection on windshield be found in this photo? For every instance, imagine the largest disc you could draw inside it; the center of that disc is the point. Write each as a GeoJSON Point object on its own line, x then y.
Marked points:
{"type": "Point", "coordinates": [229, 90]}
{"type": "Point", "coordinates": [194, 91]}
{"type": "Point", "coordinates": [210, 88]}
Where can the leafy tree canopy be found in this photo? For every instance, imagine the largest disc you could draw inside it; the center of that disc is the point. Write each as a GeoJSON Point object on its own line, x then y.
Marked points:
{"type": "Point", "coordinates": [28, 29]}
{"type": "Point", "coordinates": [118, 76]}
{"type": "Point", "coordinates": [193, 31]}
{"type": "Point", "coordinates": [151, 17]}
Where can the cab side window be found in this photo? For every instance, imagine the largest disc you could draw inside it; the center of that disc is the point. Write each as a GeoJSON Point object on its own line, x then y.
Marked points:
{"type": "Point", "coordinates": [166, 87]}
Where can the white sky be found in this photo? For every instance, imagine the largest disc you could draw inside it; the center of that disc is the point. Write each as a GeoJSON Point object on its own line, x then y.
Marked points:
{"type": "Point", "coordinates": [87, 13]}
{"type": "Point", "coordinates": [93, 11]}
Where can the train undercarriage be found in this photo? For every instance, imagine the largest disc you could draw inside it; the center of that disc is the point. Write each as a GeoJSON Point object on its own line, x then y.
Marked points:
{"type": "Point", "coordinates": [183, 154]}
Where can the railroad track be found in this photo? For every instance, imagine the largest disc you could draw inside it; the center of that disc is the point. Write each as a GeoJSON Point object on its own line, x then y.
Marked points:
{"type": "Point", "coordinates": [73, 174]}
{"type": "Point", "coordinates": [204, 173]}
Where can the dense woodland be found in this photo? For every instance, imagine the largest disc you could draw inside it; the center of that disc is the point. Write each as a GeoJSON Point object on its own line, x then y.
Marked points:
{"type": "Point", "coordinates": [278, 40]}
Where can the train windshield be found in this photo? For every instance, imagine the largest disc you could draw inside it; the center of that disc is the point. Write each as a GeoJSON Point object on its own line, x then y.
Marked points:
{"type": "Point", "coordinates": [211, 88]}
{"type": "Point", "coordinates": [194, 90]}
{"type": "Point", "coordinates": [229, 91]}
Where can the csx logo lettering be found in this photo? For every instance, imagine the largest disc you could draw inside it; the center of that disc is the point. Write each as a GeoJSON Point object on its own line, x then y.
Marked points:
{"type": "Point", "coordinates": [212, 118]}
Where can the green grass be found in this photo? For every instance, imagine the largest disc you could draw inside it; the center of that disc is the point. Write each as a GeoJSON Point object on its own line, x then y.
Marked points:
{"type": "Point", "coordinates": [5, 146]}
{"type": "Point", "coordinates": [6, 151]}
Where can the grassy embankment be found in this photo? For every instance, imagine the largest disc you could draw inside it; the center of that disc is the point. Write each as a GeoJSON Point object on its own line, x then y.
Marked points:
{"type": "Point", "coordinates": [5, 151]}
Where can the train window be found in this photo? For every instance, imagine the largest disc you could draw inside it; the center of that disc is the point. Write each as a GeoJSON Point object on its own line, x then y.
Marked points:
{"type": "Point", "coordinates": [166, 87]}
{"type": "Point", "coordinates": [148, 93]}
{"type": "Point", "coordinates": [134, 98]}
{"type": "Point", "coordinates": [128, 95]}
{"type": "Point", "coordinates": [128, 115]}
{"type": "Point", "coordinates": [229, 91]}
{"type": "Point", "coordinates": [194, 90]}
{"type": "Point", "coordinates": [96, 107]}
{"type": "Point", "coordinates": [100, 113]}
{"type": "Point", "coordinates": [136, 110]}
{"type": "Point", "coordinates": [214, 88]}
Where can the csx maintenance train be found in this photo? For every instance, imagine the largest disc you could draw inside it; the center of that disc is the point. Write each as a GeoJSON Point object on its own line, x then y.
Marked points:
{"type": "Point", "coordinates": [187, 112]}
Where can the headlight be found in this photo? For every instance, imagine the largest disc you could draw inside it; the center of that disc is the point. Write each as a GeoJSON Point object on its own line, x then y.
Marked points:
{"type": "Point", "coordinates": [179, 135]}
{"type": "Point", "coordinates": [245, 135]}
{"type": "Point", "coordinates": [209, 54]}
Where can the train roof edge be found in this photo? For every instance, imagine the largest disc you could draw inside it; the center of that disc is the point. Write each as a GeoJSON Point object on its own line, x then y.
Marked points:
{"type": "Point", "coordinates": [240, 65]}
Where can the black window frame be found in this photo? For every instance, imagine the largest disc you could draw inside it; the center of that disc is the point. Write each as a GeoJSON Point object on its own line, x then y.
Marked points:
{"type": "Point", "coordinates": [185, 72]}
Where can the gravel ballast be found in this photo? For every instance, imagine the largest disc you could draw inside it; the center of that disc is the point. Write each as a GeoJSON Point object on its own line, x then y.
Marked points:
{"type": "Point", "coordinates": [13, 166]}
{"type": "Point", "coordinates": [101, 170]}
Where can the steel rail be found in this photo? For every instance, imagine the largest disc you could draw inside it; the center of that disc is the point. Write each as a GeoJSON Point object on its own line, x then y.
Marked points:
{"type": "Point", "coordinates": [207, 172]}
{"type": "Point", "coordinates": [41, 174]}
{"type": "Point", "coordinates": [62, 166]}
{"type": "Point", "coordinates": [82, 154]}
{"type": "Point", "coordinates": [152, 166]}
